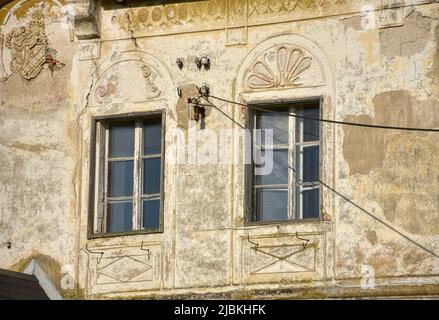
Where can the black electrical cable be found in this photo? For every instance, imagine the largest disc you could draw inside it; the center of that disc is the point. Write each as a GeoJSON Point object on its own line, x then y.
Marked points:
{"type": "Point", "coordinates": [327, 120]}
{"type": "Point", "coordinates": [325, 185]}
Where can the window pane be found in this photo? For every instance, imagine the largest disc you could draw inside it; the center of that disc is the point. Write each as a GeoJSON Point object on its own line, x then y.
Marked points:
{"type": "Point", "coordinates": [272, 205]}
{"type": "Point", "coordinates": [121, 141]}
{"type": "Point", "coordinates": [279, 174]}
{"type": "Point", "coordinates": [151, 214]}
{"type": "Point", "coordinates": [120, 217]}
{"type": "Point", "coordinates": [151, 176]}
{"type": "Point", "coordinates": [152, 136]}
{"type": "Point", "coordinates": [311, 203]}
{"type": "Point", "coordinates": [310, 164]}
{"type": "Point", "coordinates": [311, 128]}
{"type": "Point", "coordinates": [120, 177]}
{"type": "Point", "coordinates": [276, 122]}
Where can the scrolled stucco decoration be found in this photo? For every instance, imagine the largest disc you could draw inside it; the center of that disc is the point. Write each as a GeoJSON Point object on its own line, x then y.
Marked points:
{"type": "Point", "coordinates": [281, 66]}
{"type": "Point", "coordinates": [127, 78]}
{"type": "Point", "coordinates": [111, 85]}
{"type": "Point", "coordinates": [127, 81]}
{"type": "Point", "coordinates": [152, 91]}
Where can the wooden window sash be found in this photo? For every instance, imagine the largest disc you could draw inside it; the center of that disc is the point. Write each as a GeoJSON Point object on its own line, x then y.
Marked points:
{"type": "Point", "coordinates": [295, 185]}
{"type": "Point", "coordinates": [101, 176]}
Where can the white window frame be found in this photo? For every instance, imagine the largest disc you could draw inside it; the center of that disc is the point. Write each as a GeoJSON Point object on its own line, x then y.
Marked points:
{"type": "Point", "coordinates": [99, 175]}
{"type": "Point", "coordinates": [295, 188]}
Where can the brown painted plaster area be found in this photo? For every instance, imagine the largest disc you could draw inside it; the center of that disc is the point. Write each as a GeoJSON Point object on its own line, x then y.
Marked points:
{"type": "Point", "coordinates": [353, 22]}
{"type": "Point", "coordinates": [365, 148]}
{"type": "Point", "coordinates": [34, 148]}
{"type": "Point", "coordinates": [398, 169]}
{"type": "Point", "coordinates": [407, 40]}
{"type": "Point", "coordinates": [433, 72]}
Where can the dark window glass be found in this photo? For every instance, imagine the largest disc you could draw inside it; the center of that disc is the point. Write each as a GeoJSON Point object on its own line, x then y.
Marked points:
{"type": "Point", "coordinates": [311, 203]}
{"type": "Point", "coordinates": [120, 217]}
{"type": "Point", "coordinates": [311, 128]}
{"type": "Point", "coordinates": [310, 164]}
{"type": "Point", "coordinates": [121, 141]}
{"type": "Point", "coordinates": [272, 205]}
{"type": "Point", "coordinates": [151, 214]}
{"type": "Point", "coordinates": [120, 178]}
{"type": "Point", "coordinates": [152, 137]}
{"type": "Point", "coordinates": [151, 176]}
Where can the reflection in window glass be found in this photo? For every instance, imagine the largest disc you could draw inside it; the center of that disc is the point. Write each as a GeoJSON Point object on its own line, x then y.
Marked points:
{"type": "Point", "coordinates": [311, 164]}
{"type": "Point", "coordinates": [151, 176]}
{"type": "Point", "coordinates": [311, 131]}
{"type": "Point", "coordinates": [279, 173]}
{"type": "Point", "coordinates": [151, 214]}
{"type": "Point", "coordinates": [121, 141]}
{"type": "Point", "coordinates": [311, 203]}
{"type": "Point", "coordinates": [152, 137]}
{"type": "Point", "coordinates": [120, 217]}
{"type": "Point", "coordinates": [278, 123]}
{"type": "Point", "coordinates": [121, 178]}
{"type": "Point", "coordinates": [272, 205]}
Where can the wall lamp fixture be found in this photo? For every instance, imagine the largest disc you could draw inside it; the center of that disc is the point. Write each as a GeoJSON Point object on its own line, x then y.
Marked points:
{"type": "Point", "coordinates": [196, 112]}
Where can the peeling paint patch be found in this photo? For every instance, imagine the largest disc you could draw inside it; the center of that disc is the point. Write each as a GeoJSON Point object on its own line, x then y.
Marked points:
{"type": "Point", "coordinates": [353, 22]}
{"type": "Point", "coordinates": [34, 148]}
{"type": "Point", "coordinates": [50, 266]}
{"type": "Point", "coordinates": [364, 149]}
{"type": "Point", "coordinates": [407, 40]}
{"type": "Point", "coordinates": [371, 235]}
{"type": "Point", "coordinates": [188, 91]}
{"type": "Point", "coordinates": [433, 73]}
{"type": "Point", "coordinates": [369, 41]}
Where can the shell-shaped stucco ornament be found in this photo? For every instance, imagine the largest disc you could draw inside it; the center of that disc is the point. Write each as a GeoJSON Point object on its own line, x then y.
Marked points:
{"type": "Point", "coordinates": [281, 67]}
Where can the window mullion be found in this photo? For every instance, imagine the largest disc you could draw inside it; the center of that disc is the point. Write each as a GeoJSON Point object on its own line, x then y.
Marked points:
{"type": "Point", "coordinates": [254, 210]}
{"type": "Point", "coordinates": [299, 169]}
{"type": "Point", "coordinates": [291, 165]}
{"type": "Point", "coordinates": [137, 176]}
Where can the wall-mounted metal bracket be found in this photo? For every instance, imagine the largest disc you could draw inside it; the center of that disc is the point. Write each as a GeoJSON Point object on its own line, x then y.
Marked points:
{"type": "Point", "coordinates": [101, 253]}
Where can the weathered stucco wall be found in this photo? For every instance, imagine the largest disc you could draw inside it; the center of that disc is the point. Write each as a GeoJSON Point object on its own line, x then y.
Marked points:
{"type": "Point", "coordinates": [373, 62]}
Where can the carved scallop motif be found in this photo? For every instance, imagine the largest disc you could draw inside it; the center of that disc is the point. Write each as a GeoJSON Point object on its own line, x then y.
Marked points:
{"type": "Point", "coordinates": [282, 66]}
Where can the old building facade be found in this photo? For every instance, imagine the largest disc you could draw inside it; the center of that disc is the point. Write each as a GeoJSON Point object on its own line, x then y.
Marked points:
{"type": "Point", "coordinates": [101, 198]}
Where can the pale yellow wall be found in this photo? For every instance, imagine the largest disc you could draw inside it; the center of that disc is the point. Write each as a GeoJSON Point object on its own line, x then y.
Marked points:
{"type": "Point", "coordinates": [381, 73]}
